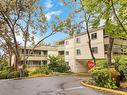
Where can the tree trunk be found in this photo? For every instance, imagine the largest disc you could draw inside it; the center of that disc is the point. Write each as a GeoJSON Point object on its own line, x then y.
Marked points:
{"type": "Point", "coordinates": [89, 43]}
{"type": "Point", "coordinates": [87, 30]}
{"type": "Point", "coordinates": [26, 33]}
{"type": "Point", "coordinates": [109, 53]}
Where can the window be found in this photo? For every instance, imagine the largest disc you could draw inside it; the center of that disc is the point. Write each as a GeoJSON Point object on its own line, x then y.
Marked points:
{"type": "Point", "coordinates": [78, 52]}
{"type": "Point", "coordinates": [67, 52]}
{"type": "Point", "coordinates": [94, 49]}
{"type": "Point", "coordinates": [66, 42]}
{"type": "Point", "coordinates": [77, 40]}
{"type": "Point", "coordinates": [106, 47]}
{"type": "Point", "coordinates": [67, 63]}
{"type": "Point", "coordinates": [94, 36]}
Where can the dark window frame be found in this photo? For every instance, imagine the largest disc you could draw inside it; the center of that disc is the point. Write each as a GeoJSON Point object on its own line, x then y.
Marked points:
{"type": "Point", "coordinates": [78, 40]}
{"type": "Point", "coordinates": [66, 42]}
{"type": "Point", "coordinates": [67, 52]}
{"type": "Point", "coordinates": [95, 50]}
{"type": "Point", "coordinates": [78, 51]}
{"type": "Point", "coordinates": [94, 36]}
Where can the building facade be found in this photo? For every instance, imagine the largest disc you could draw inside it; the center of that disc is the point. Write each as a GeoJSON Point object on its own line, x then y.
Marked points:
{"type": "Point", "coordinates": [39, 56]}
{"type": "Point", "coordinates": [75, 50]}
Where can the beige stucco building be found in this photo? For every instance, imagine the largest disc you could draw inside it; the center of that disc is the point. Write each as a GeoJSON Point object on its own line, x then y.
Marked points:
{"type": "Point", "coordinates": [39, 56]}
{"type": "Point", "coordinates": [75, 50]}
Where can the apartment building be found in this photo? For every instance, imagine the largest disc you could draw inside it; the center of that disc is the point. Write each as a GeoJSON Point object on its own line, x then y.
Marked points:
{"type": "Point", "coordinates": [39, 57]}
{"type": "Point", "coordinates": [77, 51]}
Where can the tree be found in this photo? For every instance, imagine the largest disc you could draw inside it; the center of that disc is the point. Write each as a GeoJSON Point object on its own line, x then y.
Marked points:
{"type": "Point", "coordinates": [104, 10]}
{"type": "Point", "coordinates": [22, 17]}
{"type": "Point", "coordinates": [12, 12]}
{"type": "Point", "coordinates": [57, 64]}
{"type": "Point", "coordinates": [113, 13]}
{"type": "Point", "coordinates": [72, 25]}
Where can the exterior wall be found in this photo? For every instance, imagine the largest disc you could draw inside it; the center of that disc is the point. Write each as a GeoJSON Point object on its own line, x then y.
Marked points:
{"type": "Point", "coordinates": [81, 66]}
{"type": "Point", "coordinates": [76, 62]}
{"type": "Point", "coordinates": [84, 47]}
{"type": "Point", "coordinates": [118, 48]}
{"type": "Point", "coordinates": [40, 55]}
{"type": "Point", "coordinates": [77, 66]}
{"type": "Point", "coordinates": [71, 57]}
{"type": "Point", "coordinates": [116, 41]}
{"type": "Point", "coordinates": [52, 52]}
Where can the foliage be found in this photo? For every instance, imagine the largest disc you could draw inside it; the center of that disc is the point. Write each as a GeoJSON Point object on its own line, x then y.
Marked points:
{"type": "Point", "coordinates": [13, 74]}
{"type": "Point", "coordinates": [102, 77]}
{"type": "Point", "coordinates": [25, 73]}
{"type": "Point", "coordinates": [41, 70]}
{"type": "Point", "coordinates": [7, 72]}
{"type": "Point", "coordinates": [3, 74]}
{"type": "Point", "coordinates": [102, 63]}
{"type": "Point", "coordinates": [3, 67]}
{"type": "Point", "coordinates": [15, 12]}
{"type": "Point", "coordinates": [121, 64]}
{"type": "Point", "coordinates": [57, 64]}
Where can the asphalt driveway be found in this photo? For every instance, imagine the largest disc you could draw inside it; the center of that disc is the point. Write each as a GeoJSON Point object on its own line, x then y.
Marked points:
{"type": "Point", "coordinates": [57, 85]}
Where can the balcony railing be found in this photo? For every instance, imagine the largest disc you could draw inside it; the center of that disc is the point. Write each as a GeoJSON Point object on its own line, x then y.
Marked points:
{"type": "Point", "coordinates": [61, 47]}
{"type": "Point", "coordinates": [35, 55]}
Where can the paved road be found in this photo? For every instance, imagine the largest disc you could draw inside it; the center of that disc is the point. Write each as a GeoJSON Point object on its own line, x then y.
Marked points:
{"type": "Point", "coordinates": [58, 85]}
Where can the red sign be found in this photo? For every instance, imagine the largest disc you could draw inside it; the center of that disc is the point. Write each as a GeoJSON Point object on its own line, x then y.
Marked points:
{"type": "Point", "coordinates": [90, 64]}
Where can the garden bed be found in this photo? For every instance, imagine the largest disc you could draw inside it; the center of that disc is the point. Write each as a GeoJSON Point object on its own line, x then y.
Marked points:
{"type": "Point", "coordinates": [123, 87]}
{"type": "Point", "coordinates": [120, 91]}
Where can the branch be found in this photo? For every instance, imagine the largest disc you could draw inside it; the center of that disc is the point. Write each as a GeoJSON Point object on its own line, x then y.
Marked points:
{"type": "Point", "coordinates": [52, 33]}
{"type": "Point", "coordinates": [114, 11]}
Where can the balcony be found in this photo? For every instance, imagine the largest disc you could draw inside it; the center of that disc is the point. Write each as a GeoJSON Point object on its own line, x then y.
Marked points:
{"type": "Point", "coordinates": [61, 48]}
{"type": "Point", "coordinates": [35, 57]}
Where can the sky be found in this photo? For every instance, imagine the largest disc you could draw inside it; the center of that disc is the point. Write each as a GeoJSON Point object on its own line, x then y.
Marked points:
{"type": "Point", "coordinates": [51, 8]}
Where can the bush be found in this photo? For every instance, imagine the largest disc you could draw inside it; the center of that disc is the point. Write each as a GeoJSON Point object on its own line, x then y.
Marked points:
{"type": "Point", "coordinates": [57, 64]}
{"type": "Point", "coordinates": [42, 70]}
{"type": "Point", "coordinates": [121, 65]}
{"type": "Point", "coordinates": [4, 74]}
{"type": "Point", "coordinates": [3, 67]}
{"type": "Point", "coordinates": [8, 72]}
{"type": "Point", "coordinates": [102, 63]}
{"type": "Point", "coordinates": [102, 77]}
{"type": "Point", "coordinates": [26, 73]}
{"type": "Point", "coordinates": [13, 74]}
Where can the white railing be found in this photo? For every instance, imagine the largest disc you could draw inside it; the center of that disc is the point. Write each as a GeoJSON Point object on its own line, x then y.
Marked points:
{"type": "Point", "coordinates": [61, 47]}
{"type": "Point", "coordinates": [34, 55]}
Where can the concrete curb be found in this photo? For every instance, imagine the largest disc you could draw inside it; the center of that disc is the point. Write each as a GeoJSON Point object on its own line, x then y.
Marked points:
{"type": "Point", "coordinates": [105, 89]}
{"type": "Point", "coordinates": [41, 76]}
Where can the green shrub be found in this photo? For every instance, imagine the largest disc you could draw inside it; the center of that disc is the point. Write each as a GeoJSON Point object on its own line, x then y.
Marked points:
{"type": "Point", "coordinates": [4, 74]}
{"type": "Point", "coordinates": [26, 73]}
{"type": "Point", "coordinates": [42, 70]}
{"type": "Point", "coordinates": [102, 63]}
{"type": "Point", "coordinates": [102, 77]}
{"type": "Point", "coordinates": [121, 65]}
{"type": "Point", "coordinates": [13, 74]}
{"type": "Point", "coordinates": [57, 64]}
{"type": "Point", "coordinates": [3, 67]}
